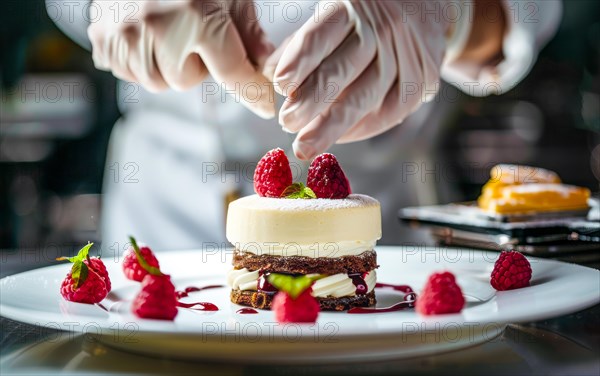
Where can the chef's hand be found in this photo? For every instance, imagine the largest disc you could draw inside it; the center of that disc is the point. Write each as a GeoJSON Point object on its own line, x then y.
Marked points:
{"type": "Point", "coordinates": [177, 43]}
{"type": "Point", "coordinates": [356, 69]}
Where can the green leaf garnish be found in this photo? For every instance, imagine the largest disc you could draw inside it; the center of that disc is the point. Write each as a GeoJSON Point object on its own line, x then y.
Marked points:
{"type": "Point", "coordinates": [298, 190]}
{"type": "Point", "coordinates": [294, 286]}
{"type": "Point", "coordinates": [143, 263]}
{"type": "Point", "coordinates": [79, 271]}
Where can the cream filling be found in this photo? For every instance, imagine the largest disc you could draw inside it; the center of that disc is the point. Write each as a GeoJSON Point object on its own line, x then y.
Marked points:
{"type": "Point", "coordinates": [332, 249]}
{"type": "Point", "coordinates": [243, 279]}
{"type": "Point", "coordinates": [336, 285]}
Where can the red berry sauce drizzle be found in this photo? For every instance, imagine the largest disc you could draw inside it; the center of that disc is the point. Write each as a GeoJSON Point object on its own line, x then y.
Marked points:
{"type": "Point", "coordinates": [402, 288]}
{"type": "Point", "coordinates": [246, 311]}
{"type": "Point", "coordinates": [358, 280]}
{"type": "Point", "coordinates": [202, 306]}
{"type": "Point", "coordinates": [198, 306]}
{"type": "Point", "coordinates": [410, 297]}
{"type": "Point", "coordinates": [187, 290]}
{"type": "Point", "coordinates": [263, 284]}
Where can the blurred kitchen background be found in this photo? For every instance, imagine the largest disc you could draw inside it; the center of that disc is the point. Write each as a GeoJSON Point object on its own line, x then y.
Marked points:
{"type": "Point", "coordinates": [57, 112]}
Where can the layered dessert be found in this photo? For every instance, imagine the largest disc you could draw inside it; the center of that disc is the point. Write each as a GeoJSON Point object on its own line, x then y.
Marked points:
{"type": "Point", "coordinates": [334, 239]}
{"type": "Point", "coordinates": [515, 189]}
{"type": "Point", "coordinates": [329, 239]}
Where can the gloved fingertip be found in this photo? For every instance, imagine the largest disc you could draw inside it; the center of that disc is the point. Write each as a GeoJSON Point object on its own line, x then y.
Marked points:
{"type": "Point", "coordinates": [277, 85]}
{"type": "Point", "coordinates": [288, 117]}
{"type": "Point", "coordinates": [304, 151]}
{"type": "Point", "coordinates": [100, 66]}
{"type": "Point", "coordinates": [285, 122]}
{"type": "Point", "coordinates": [282, 82]}
{"type": "Point", "coordinates": [259, 97]}
{"type": "Point", "coordinates": [281, 118]}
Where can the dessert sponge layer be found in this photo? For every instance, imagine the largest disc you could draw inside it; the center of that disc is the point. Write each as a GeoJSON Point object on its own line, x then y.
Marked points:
{"type": "Point", "coordinates": [363, 263]}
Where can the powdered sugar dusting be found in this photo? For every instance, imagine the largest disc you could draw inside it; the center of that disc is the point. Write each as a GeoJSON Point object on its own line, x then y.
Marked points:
{"type": "Point", "coordinates": [318, 204]}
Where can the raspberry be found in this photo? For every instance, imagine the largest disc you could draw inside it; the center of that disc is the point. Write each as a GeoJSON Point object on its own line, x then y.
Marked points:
{"type": "Point", "coordinates": [511, 271]}
{"type": "Point", "coordinates": [305, 308]}
{"type": "Point", "coordinates": [88, 280]}
{"type": "Point", "coordinates": [157, 299]}
{"type": "Point", "coordinates": [91, 290]}
{"type": "Point", "coordinates": [132, 268]}
{"type": "Point", "coordinates": [98, 266]}
{"type": "Point", "coordinates": [273, 174]}
{"type": "Point", "coordinates": [326, 178]}
{"type": "Point", "coordinates": [440, 295]}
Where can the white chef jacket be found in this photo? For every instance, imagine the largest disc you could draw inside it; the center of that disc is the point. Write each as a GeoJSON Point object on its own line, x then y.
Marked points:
{"type": "Point", "coordinates": [175, 156]}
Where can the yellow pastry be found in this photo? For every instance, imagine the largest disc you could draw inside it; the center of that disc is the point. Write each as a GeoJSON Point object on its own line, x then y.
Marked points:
{"type": "Point", "coordinates": [504, 175]}
{"type": "Point", "coordinates": [516, 189]}
{"type": "Point", "coordinates": [539, 198]}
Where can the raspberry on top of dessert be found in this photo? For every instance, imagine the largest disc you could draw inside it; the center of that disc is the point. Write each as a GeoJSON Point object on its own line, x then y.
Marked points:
{"type": "Point", "coordinates": [319, 230]}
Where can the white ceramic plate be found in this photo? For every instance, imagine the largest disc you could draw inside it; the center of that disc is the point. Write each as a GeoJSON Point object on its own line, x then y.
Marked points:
{"type": "Point", "coordinates": [557, 288]}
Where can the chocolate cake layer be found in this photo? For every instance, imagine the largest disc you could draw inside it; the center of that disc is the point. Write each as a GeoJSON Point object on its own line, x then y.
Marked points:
{"type": "Point", "coordinates": [362, 263]}
{"type": "Point", "coordinates": [262, 300]}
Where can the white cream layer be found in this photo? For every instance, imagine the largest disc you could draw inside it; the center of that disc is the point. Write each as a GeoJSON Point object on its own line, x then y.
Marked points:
{"type": "Point", "coordinates": [313, 227]}
{"type": "Point", "coordinates": [336, 285]}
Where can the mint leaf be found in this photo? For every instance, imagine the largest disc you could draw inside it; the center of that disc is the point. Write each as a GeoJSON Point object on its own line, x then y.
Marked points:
{"type": "Point", "coordinates": [81, 255]}
{"type": "Point", "coordinates": [309, 192]}
{"type": "Point", "coordinates": [294, 286]}
{"type": "Point", "coordinates": [292, 189]}
{"type": "Point", "coordinates": [79, 273]}
{"type": "Point", "coordinates": [298, 190]}
{"type": "Point", "coordinates": [143, 263]}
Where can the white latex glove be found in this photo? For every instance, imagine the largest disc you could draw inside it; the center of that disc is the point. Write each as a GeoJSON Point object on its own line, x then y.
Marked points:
{"type": "Point", "coordinates": [357, 69]}
{"type": "Point", "coordinates": [177, 43]}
